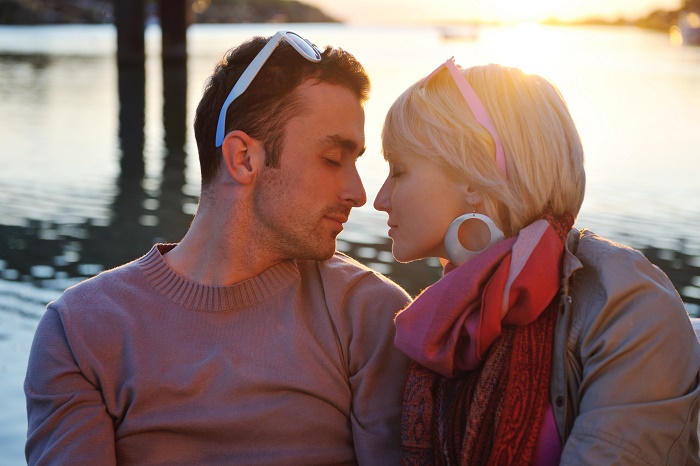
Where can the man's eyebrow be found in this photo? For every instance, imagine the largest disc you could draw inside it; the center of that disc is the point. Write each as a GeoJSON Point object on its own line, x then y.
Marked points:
{"type": "Point", "coordinates": [336, 140]}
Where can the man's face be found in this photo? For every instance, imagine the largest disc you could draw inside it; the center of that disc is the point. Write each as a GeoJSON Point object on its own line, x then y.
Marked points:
{"type": "Point", "coordinates": [300, 206]}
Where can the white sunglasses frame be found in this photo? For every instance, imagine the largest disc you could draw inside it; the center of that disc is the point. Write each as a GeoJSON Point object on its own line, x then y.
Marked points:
{"type": "Point", "coordinates": [254, 68]}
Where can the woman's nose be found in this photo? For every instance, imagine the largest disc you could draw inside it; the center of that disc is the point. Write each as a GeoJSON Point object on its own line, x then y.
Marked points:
{"type": "Point", "coordinates": [383, 200]}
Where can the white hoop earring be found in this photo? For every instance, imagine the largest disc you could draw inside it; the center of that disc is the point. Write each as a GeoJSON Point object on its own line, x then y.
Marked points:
{"type": "Point", "coordinates": [456, 251]}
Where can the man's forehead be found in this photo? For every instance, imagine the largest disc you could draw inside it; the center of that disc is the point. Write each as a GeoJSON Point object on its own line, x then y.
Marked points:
{"type": "Point", "coordinates": [333, 117]}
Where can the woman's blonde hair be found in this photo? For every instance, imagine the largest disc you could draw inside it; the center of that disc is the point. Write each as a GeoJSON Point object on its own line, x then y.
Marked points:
{"type": "Point", "coordinates": [543, 151]}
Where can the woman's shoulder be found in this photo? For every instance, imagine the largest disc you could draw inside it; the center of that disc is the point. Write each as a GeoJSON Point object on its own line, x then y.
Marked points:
{"type": "Point", "coordinates": [595, 250]}
{"type": "Point", "coordinates": [616, 264]}
{"type": "Point", "coordinates": [616, 280]}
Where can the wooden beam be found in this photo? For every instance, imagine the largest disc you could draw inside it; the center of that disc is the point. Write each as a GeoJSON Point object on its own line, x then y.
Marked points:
{"type": "Point", "coordinates": [175, 17]}
{"type": "Point", "coordinates": [130, 20]}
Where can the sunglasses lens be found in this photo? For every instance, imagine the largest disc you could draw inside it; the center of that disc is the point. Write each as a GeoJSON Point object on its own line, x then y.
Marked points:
{"type": "Point", "coordinates": [304, 46]}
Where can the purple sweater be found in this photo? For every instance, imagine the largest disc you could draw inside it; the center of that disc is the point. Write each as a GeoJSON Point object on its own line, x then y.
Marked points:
{"type": "Point", "coordinates": [294, 366]}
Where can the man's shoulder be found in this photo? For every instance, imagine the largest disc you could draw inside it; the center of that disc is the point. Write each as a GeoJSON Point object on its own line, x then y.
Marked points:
{"type": "Point", "coordinates": [103, 287]}
{"type": "Point", "coordinates": [356, 297]}
{"type": "Point", "coordinates": [346, 275]}
{"type": "Point", "coordinates": [341, 263]}
{"type": "Point", "coordinates": [342, 266]}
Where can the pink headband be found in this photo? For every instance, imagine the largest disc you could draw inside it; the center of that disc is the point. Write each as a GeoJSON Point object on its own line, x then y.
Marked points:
{"type": "Point", "coordinates": [475, 105]}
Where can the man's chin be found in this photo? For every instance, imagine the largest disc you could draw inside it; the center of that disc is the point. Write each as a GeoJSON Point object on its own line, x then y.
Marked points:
{"type": "Point", "coordinates": [327, 254]}
{"type": "Point", "coordinates": [318, 253]}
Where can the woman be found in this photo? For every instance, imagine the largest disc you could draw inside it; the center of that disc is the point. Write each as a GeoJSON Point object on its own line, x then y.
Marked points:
{"type": "Point", "coordinates": [541, 344]}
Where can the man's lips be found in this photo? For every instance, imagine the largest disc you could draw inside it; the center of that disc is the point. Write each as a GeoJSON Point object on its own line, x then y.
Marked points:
{"type": "Point", "coordinates": [392, 228]}
{"type": "Point", "coordinates": [340, 218]}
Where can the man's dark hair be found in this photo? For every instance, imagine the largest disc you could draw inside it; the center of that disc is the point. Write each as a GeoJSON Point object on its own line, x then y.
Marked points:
{"type": "Point", "coordinates": [263, 110]}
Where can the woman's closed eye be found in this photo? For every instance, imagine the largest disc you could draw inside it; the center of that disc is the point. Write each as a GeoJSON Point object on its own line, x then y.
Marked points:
{"type": "Point", "coordinates": [395, 172]}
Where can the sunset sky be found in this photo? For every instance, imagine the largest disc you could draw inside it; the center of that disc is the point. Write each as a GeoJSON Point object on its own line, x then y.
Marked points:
{"type": "Point", "coordinates": [374, 11]}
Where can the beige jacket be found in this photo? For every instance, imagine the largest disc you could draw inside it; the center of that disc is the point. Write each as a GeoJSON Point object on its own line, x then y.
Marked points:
{"type": "Point", "coordinates": [625, 384]}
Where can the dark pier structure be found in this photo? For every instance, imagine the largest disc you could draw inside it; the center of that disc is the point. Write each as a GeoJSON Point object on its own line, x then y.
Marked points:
{"type": "Point", "coordinates": [130, 21]}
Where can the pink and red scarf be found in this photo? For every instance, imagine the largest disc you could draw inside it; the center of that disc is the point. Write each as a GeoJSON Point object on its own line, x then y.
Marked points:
{"type": "Point", "coordinates": [481, 338]}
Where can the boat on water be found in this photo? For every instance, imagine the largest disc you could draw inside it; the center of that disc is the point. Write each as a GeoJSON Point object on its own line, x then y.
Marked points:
{"type": "Point", "coordinates": [687, 30]}
{"type": "Point", "coordinates": [459, 32]}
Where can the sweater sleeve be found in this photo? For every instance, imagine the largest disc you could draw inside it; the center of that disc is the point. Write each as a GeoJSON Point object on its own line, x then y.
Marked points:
{"type": "Point", "coordinates": [638, 362]}
{"type": "Point", "coordinates": [67, 419]}
{"type": "Point", "coordinates": [377, 373]}
{"type": "Point", "coordinates": [365, 304]}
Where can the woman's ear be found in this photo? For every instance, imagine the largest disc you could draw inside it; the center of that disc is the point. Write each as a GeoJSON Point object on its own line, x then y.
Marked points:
{"type": "Point", "coordinates": [243, 156]}
{"type": "Point", "coordinates": [473, 197]}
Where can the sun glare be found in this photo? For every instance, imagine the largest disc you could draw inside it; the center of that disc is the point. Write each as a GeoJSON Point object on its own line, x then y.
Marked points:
{"type": "Point", "coordinates": [522, 46]}
{"type": "Point", "coordinates": [524, 11]}
{"type": "Point", "coordinates": [502, 11]}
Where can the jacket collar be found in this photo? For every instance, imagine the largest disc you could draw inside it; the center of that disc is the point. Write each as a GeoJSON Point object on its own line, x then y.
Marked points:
{"type": "Point", "coordinates": [571, 262]}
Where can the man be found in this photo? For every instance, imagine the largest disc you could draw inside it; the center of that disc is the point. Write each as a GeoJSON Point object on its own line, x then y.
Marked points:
{"type": "Point", "coordinates": [251, 341]}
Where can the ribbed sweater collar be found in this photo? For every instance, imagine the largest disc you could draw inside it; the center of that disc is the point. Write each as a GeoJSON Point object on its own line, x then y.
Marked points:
{"type": "Point", "coordinates": [195, 296]}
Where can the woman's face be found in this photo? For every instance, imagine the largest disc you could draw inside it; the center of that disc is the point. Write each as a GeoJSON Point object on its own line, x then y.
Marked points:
{"type": "Point", "coordinates": [421, 201]}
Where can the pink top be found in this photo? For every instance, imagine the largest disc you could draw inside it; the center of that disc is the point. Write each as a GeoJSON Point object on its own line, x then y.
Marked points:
{"type": "Point", "coordinates": [548, 451]}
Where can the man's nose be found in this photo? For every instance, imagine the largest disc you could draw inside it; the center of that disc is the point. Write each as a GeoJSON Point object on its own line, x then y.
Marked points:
{"type": "Point", "coordinates": [355, 190]}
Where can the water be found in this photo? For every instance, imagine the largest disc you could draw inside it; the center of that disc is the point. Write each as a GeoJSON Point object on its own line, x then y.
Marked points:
{"type": "Point", "coordinates": [99, 163]}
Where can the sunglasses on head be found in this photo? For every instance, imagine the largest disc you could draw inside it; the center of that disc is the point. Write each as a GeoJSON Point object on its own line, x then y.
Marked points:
{"type": "Point", "coordinates": [305, 48]}
{"type": "Point", "coordinates": [475, 105]}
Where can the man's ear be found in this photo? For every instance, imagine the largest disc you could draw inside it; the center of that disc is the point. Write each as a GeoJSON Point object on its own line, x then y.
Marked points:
{"type": "Point", "coordinates": [243, 156]}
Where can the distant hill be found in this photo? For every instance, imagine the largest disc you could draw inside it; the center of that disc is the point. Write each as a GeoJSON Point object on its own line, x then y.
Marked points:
{"type": "Point", "coordinates": [258, 11]}
{"type": "Point", "coordinates": [203, 11]}
{"type": "Point", "coordinates": [660, 20]}
{"type": "Point", "coordinates": [55, 11]}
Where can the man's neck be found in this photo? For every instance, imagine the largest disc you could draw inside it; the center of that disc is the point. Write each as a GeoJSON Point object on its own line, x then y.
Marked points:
{"type": "Point", "coordinates": [219, 252]}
